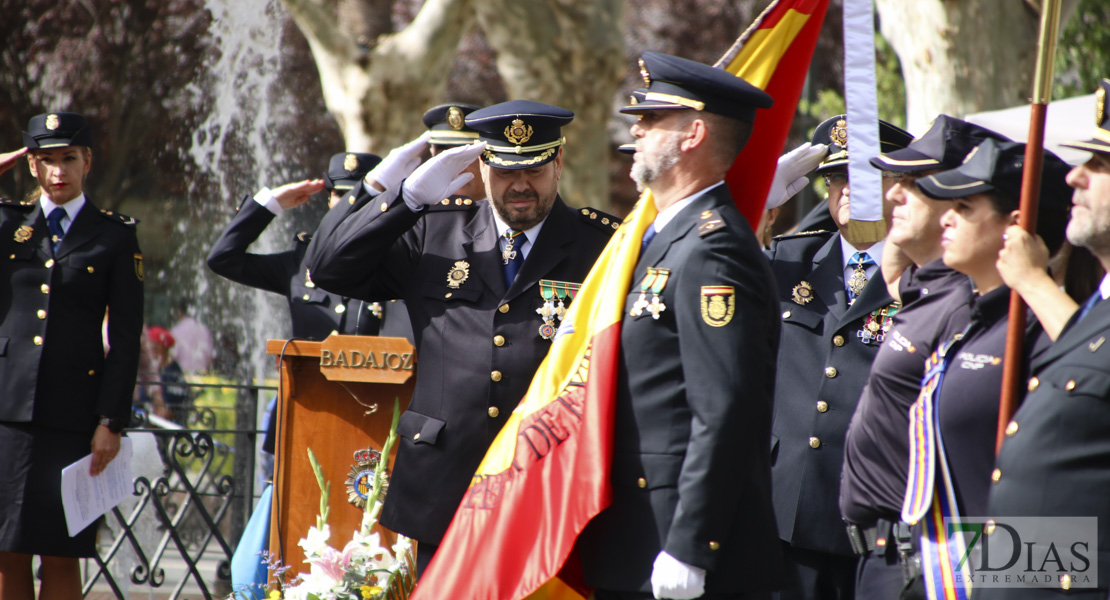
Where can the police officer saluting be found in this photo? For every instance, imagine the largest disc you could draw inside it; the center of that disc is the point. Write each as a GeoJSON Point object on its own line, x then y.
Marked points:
{"type": "Point", "coordinates": [65, 264]}
{"type": "Point", "coordinates": [480, 279]}
{"type": "Point", "coordinates": [835, 313]}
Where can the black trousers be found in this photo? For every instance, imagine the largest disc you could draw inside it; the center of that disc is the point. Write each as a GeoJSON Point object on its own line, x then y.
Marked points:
{"type": "Point", "coordinates": [880, 575]}
{"type": "Point", "coordinates": [816, 575]}
{"type": "Point", "coordinates": [424, 554]}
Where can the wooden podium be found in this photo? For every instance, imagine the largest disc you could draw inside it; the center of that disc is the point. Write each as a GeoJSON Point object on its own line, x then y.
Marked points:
{"type": "Point", "coordinates": [327, 399]}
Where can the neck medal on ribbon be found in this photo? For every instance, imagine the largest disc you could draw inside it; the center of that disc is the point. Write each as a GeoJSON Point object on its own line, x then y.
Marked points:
{"type": "Point", "coordinates": [877, 324]}
{"type": "Point", "coordinates": [858, 280]}
{"type": "Point", "coordinates": [556, 296]}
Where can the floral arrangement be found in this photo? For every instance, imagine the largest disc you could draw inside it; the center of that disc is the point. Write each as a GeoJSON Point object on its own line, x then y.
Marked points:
{"type": "Point", "coordinates": [362, 569]}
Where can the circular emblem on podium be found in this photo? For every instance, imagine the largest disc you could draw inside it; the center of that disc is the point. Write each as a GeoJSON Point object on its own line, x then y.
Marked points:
{"type": "Point", "coordinates": [361, 480]}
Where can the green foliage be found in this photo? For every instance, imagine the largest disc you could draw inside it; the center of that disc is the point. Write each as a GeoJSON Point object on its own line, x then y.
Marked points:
{"type": "Point", "coordinates": [325, 490]}
{"type": "Point", "coordinates": [1083, 51]}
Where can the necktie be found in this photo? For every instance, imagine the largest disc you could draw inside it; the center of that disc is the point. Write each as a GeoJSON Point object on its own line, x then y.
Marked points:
{"type": "Point", "coordinates": [511, 257]}
{"type": "Point", "coordinates": [1089, 304]}
{"type": "Point", "coordinates": [856, 282]}
{"type": "Point", "coordinates": [54, 224]}
{"type": "Point", "coordinates": [648, 235]}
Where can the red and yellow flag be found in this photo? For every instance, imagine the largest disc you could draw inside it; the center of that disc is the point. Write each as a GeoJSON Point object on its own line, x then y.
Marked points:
{"type": "Point", "coordinates": [547, 473]}
{"type": "Point", "coordinates": [773, 55]}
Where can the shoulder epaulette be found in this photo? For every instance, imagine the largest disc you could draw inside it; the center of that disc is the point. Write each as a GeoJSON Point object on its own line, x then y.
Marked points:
{"type": "Point", "coordinates": [453, 203]}
{"type": "Point", "coordinates": [303, 237]}
{"type": "Point", "coordinates": [16, 204]}
{"type": "Point", "coordinates": [802, 234]}
{"type": "Point", "coordinates": [709, 221]}
{"type": "Point", "coordinates": [599, 219]}
{"type": "Point", "coordinates": [119, 218]}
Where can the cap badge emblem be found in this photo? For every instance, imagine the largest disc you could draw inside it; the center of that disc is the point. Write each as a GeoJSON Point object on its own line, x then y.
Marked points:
{"type": "Point", "coordinates": [839, 133]}
{"type": "Point", "coordinates": [350, 162]}
{"type": "Point", "coordinates": [518, 133]}
{"type": "Point", "coordinates": [644, 73]}
{"type": "Point", "coordinates": [23, 233]}
{"type": "Point", "coordinates": [458, 274]}
{"type": "Point", "coordinates": [455, 118]}
{"type": "Point", "coordinates": [1100, 106]}
{"type": "Point", "coordinates": [52, 122]}
{"type": "Point", "coordinates": [802, 293]}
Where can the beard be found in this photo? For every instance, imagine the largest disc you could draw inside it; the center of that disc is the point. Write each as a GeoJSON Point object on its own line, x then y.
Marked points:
{"type": "Point", "coordinates": [649, 167]}
{"type": "Point", "coordinates": [523, 218]}
{"type": "Point", "coordinates": [1090, 228]}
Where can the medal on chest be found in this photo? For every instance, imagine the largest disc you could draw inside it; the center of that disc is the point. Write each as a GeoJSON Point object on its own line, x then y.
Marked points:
{"type": "Point", "coordinates": [654, 281]}
{"type": "Point", "coordinates": [556, 297]}
{"type": "Point", "coordinates": [877, 324]}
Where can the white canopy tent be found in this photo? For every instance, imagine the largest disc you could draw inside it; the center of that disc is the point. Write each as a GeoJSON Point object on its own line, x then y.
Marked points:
{"type": "Point", "coordinates": [1068, 120]}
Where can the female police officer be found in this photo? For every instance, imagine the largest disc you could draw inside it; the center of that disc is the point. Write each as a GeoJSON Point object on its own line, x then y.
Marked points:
{"type": "Point", "coordinates": [64, 265]}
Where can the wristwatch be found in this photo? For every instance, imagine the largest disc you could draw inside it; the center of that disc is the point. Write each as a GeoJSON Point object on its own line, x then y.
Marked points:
{"type": "Point", "coordinates": [113, 425]}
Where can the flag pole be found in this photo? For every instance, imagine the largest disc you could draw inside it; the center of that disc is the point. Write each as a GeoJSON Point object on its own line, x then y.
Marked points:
{"type": "Point", "coordinates": [1030, 198]}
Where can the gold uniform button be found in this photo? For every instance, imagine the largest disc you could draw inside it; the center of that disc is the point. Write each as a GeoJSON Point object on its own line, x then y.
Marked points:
{"type": "Point", "coordinates": [416, 437]}
{"type": "Point", "coordinates": [838, 341]}
{"type": "Point", "coordinates": [1033, 383]}
{"type": "Point", "coordinates": [385, 205]}
{"type": "Point", "coordinates": [305, 297]}
{"type": "Point", "coordinates": [38, 340]}
{"type": "Point", "coordinates": [496, 375]}
{"type": "Point", "coordinates": [351, 200]}
{"type": "Point", "coordinates": [49, 263]}
{"type": "Point", "coordinates": [786, 315]}
{"type": "Point", "coordinates": [498, 340]}
{"type": "Point", "coordinates": [996, 475]}
{"type": "Point", "coordinates": [41, 314]}
{"type": "Point", "coordinates": [448, 295]}
{"type": "Point", "coordinates": [1070, 385]}
{"type": "Point", "coordinates": [1011, 429]}
{"type": "Point", "coordinates": [822, 406]}
{"type": "Point", "coordinates": [45, 288]}
{"type": "Point", "coordinates": [493, 412]}
{"type": "Point", "coordinates": [504, 308]}
{"type": "Point", "coordinates": [92, 372]}
{"type": "Point", "coordinates": [814, 442]}
{"type": "Point", "coordinates": [830, 372]}
{"type": "Point", "coordinates": [91, 269]}
{"type": "Point", "coordinates": [340, 308]}
{"type": "Point", "coordinates": [989, 527]}
{"type": "Point", "coordinates": [641, 482]}
{"type": "Point", "coordinates": [1065, 582]}
{"type": "Point", "coordinates": [714, 545]}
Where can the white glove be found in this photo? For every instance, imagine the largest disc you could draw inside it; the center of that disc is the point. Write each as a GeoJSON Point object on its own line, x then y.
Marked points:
{"type": "Point", "coordinates": [672, 578]}
{"type": "Point", "coordinates": [443, 174]}
{"type": "Point", "coordinates": [790, 176]}
{"type": "Point", "coordinates": [398, 164]}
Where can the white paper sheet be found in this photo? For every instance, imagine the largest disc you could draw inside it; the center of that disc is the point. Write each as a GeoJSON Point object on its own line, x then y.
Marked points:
{"type": "Point", "coordinates": [85, 497]}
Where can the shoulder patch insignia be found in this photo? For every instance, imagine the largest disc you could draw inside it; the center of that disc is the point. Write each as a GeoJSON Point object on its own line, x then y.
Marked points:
{"type": "Point", "coordinates": [709, 221]}
{"type": "Point", "coordinates": [599, 219]}
{"type": "Point", "coordinates": [718, 304]}
{"type": "Point", "coordinates": [453, 203]}
{"type": "Point", "coordinates": [304, 237]}
{"type": "Point", "coordinates": [119, 218]}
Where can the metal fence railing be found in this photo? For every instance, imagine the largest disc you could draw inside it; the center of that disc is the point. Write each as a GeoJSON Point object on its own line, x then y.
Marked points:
{"type": "Point", "coordinates": [194, 490]}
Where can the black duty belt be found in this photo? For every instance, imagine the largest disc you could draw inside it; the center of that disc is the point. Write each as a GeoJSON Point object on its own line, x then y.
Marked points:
{"type": "Point", "coordinates": [881, 537]}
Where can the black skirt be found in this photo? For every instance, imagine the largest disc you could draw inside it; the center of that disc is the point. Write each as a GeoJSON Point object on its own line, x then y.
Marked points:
{"type": "Point", "coordinates": [32, 520]}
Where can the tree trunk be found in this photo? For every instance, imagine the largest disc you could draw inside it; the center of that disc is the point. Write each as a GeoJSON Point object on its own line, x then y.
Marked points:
{"type": "Point", "coordinates": [378, 89]}
{"type": "Point", "coordinates": [569, 54]}
{"type": "Point", "coordinates": [964, 56]}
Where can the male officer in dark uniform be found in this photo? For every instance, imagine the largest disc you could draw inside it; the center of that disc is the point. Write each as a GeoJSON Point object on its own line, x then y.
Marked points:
{"type": "Point", "coordinates": [315, 313]}
{"type": "Point", "coordinates": [1055, 459]}
{"type": "Point", "coordinates": [471, 275]}
{"type": "Point", "coordinates": [691, 510]}
{"type": "Point", "coordinates": [934, 307]}
{"type": "Point", "coordinates": [834, 309]}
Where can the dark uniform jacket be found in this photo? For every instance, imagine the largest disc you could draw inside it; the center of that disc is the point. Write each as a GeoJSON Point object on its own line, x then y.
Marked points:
{"type": "Point", "coordinates": [315, 313]}
{"type": "Point", "coordinates": [691, 472]}
{"type": "Point", "coordinates": [1055, 459]}
{"type": "Point", "coordinates": [53, 368]}
{"type": "Point", "coordinates": [477, 342]}
{"type": "Point", "coordinates": [823, 364]}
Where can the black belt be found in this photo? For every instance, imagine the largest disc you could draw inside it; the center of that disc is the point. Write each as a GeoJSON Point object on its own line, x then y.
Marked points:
{"type": "Point", "coordinates": [864, 538]}
{"type": "Point", "coordinates": [882, 536]}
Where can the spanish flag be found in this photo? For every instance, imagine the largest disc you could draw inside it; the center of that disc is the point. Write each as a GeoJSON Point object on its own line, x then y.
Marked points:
{"type": "Point", "coordinates": [547, 473]}
{"type": "Point", "coordinates": [773, 55]}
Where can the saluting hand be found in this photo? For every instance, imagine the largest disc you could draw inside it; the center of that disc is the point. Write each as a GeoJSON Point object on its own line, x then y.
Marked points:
{"type": "Point", "coordinates": [790, 173]}
{"type": "Point", "coordinates": [105, 447]}
{"type": "Point", "coordinates": [441, 176]}
{"type": "Point", "coordinates": [7, 159]}
{"type": "Point", "coordinates": [296, 194]}
{"type": "Point", "coordinates": [398, 164]}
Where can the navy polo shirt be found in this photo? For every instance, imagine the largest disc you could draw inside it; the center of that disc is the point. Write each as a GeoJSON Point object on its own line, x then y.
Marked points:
{"type": "Point", "coordinates": [876, 448]}
{"type": "Point", "coordinates": [968, 402]}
